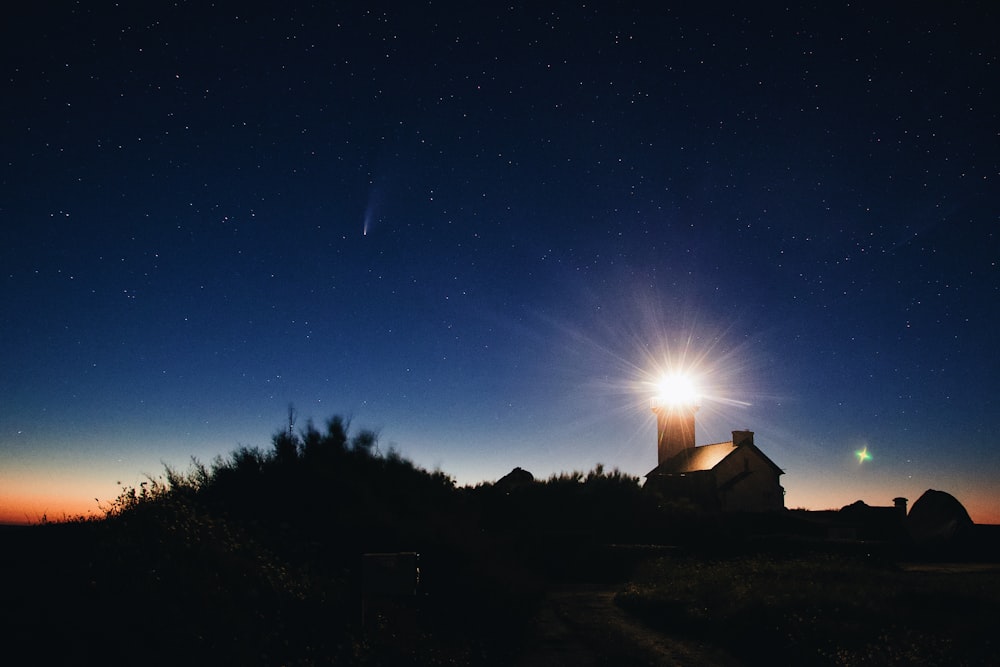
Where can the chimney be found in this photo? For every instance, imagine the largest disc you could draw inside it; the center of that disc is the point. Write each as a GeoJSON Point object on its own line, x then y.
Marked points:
{"type": "Point", "coordinates": [742, 438]}
{"type": "Point", "coordinates": [674, 429]}
{"type": "Point", "coordinates": [900, 505]}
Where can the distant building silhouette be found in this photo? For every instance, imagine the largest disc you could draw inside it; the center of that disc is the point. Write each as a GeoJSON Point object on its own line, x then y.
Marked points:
{"type": "Point", "coordinates": [861, 521]}
{"type": "Point", "coordinates": [515, 479]}
{"type": "Point", "coordinates": [938, 517]}
{"type": "Point", "coordinates": [732, 476]}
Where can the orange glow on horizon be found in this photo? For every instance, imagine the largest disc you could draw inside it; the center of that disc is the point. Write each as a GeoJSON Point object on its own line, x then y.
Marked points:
{"type": "Point", "coordinates": [32, 508]}
{"type": "Point", "coordinates": [36, 509]}
{"type": "Point", "coordinates": [30, 499]}
{"type": "Point", "coordinates": [982, 507]}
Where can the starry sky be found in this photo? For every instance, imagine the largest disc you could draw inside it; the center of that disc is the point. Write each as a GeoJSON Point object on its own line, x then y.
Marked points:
{"type": "Point", "coordinates": [484, 229]}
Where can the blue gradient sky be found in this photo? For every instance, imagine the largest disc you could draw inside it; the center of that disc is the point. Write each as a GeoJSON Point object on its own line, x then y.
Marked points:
{"type": "Point", "coordinates": [483, 232]}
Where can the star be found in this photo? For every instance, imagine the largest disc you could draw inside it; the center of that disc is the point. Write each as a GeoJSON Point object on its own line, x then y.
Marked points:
{"type": "Point", "coordinates": [863, 455]}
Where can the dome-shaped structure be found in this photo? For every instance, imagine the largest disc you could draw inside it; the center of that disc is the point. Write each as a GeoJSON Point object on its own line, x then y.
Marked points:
{"type": "Point", "coordinates": [937, 517]}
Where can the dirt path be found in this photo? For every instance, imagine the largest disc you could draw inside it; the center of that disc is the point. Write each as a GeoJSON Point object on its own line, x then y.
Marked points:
{"type": "Point", "coordinates": [583, 626]}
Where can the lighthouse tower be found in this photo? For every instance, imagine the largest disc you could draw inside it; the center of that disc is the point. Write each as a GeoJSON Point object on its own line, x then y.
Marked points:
{"type": "Point", "coordinates": [674, 428]}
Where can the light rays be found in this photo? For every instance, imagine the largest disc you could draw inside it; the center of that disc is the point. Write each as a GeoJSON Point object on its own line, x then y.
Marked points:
{"type": "Point", "coordinates": [677, 389]}
{"type": "Point", "coordinates": [617, 360]}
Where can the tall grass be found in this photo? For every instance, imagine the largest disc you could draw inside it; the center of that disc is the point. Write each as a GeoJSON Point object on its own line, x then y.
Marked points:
{"type": "Point", "coordinates": [255, 559]}
{"type": "Point", "coordinates": [820, 610]}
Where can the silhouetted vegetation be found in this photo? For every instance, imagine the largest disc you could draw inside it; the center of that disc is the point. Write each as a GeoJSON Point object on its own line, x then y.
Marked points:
{"type": "Point", "coordinates": [820, 610]}
{"type": "Point", "coordinates": [256, 558]}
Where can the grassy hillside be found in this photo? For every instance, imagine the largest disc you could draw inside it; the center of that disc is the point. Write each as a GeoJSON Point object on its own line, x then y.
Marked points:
{"type": "Point", "coordinates": [256, 558]}
{"type": "Point", "coordinates": [821, 610]}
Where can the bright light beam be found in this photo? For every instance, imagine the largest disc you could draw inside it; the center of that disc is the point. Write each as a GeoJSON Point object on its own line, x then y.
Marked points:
{"type": "Point", "coordinates": [677, 389]}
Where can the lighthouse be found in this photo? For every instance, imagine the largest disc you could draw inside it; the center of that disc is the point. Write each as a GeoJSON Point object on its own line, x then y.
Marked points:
{"type": "Point", "coordinates": [725, 476]}
{"type": "Point", "coordinates": [674, 428]}
{"type": "Point", "coordinates": [674, 405]}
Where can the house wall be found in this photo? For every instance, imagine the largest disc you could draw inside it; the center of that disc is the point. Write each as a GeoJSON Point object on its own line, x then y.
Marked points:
{"type": "Point", "coordinates": [697, 487]}
{"type": "Point", "coordinates": [758, 491]}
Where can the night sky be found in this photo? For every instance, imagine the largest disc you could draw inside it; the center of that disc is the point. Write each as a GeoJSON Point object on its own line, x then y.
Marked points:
{"type": "Point", "coordinates": [485, 229]}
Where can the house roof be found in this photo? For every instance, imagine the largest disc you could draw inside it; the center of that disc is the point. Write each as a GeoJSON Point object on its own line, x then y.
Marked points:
{"type": "Point", "coordinates": [703, 458]}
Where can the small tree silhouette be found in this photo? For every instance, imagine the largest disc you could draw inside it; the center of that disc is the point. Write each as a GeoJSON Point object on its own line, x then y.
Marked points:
{"type": "Point", "coordinates": [365, 442]}
{"type": "Point", "coordinates": [336, 432]}
{"type": "Point", "coordinates": [323, 448]}
{"type": "Point", "coordinates": [286, 447]}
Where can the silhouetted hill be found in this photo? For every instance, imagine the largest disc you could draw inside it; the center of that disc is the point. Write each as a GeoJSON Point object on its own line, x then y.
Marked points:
{"type": "Point", "coordinates": [257, 558]}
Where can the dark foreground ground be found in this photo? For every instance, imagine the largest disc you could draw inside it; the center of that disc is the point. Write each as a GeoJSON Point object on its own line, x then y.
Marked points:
{"type": "Point", "coordinates": [79, 594]}
{"type": "Point", "coordinates": [583, 625]}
